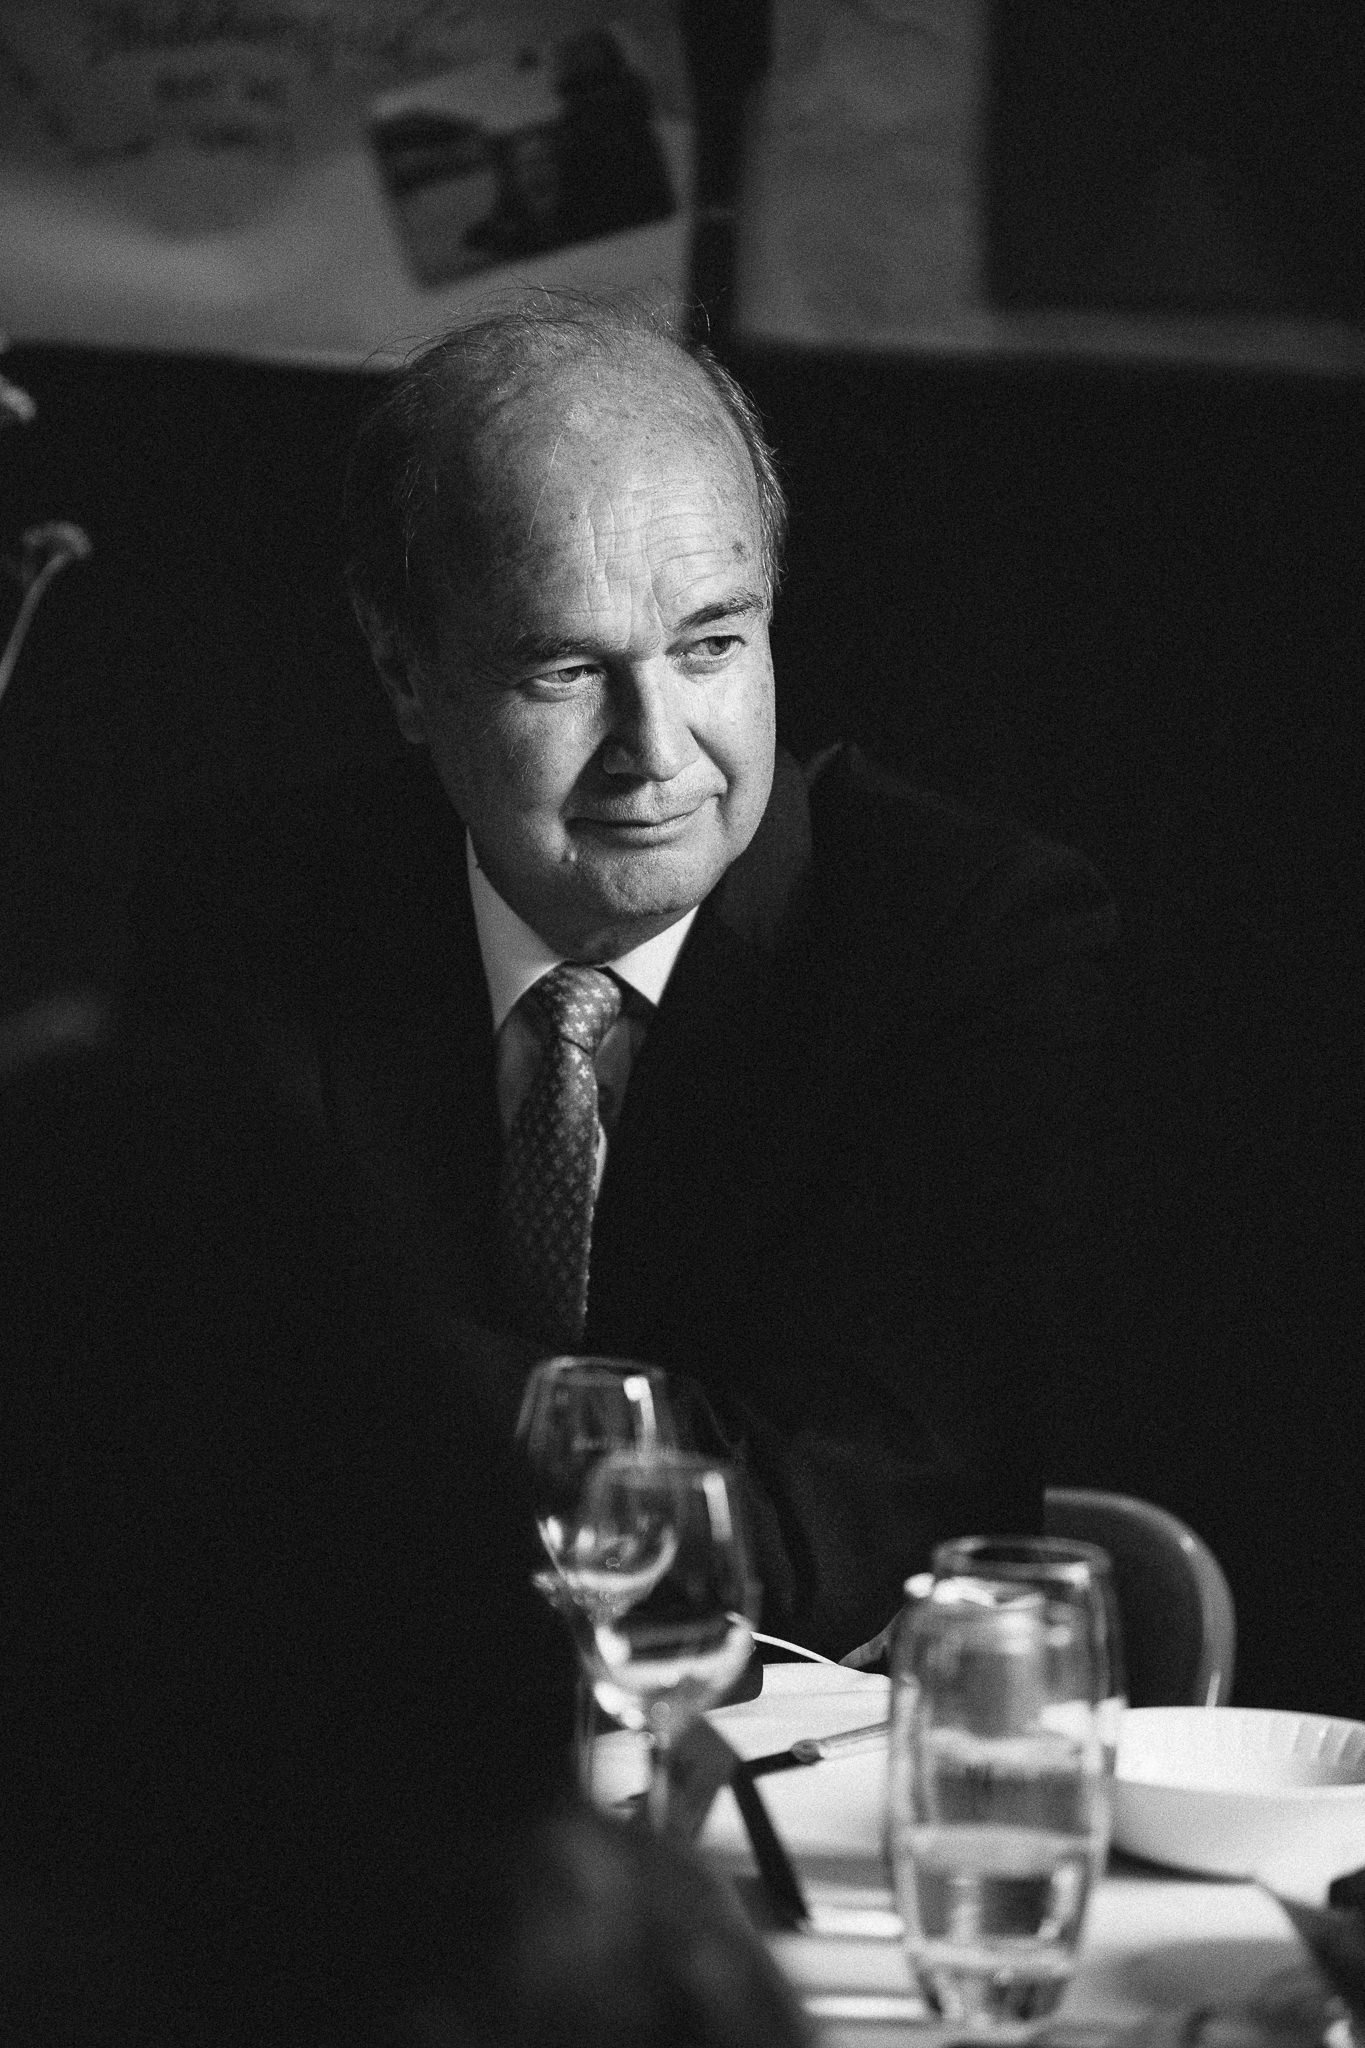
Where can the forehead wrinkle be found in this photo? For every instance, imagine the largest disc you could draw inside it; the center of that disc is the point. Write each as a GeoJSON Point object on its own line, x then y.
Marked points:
{"type": "Point", "coordinates": [654, 561]}
{"type": "Point", "coordinates": [545, 483]}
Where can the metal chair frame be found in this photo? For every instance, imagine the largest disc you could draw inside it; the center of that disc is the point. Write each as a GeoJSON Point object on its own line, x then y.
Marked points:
{"type": "Point", "coordinates": [1175, 1604]}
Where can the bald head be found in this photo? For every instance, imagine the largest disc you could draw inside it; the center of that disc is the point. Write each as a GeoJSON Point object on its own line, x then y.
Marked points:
{"type": "Point", "coordinates": [437, 488]}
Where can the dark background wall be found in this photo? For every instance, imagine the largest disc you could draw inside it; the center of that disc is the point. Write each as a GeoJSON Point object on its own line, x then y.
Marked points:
{"type": "Point", "coordinates": [1124, 605]}
{"type": "Point", "coordinates": [1127, 606]}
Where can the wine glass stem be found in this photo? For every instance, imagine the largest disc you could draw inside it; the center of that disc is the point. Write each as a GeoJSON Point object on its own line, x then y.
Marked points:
{"type": "Point", "coordinates": [657, 1808]}
{"type": "Point", "coordinates": [584, 1723]}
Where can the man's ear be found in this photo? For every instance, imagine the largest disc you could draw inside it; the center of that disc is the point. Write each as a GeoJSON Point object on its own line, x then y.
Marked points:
{"type": "Point", "coordinates": [396, 669]}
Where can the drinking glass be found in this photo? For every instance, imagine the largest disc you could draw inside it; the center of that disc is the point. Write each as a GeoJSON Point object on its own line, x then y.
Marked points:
{"type": "Point", "coordinates": [1067, 1574]}
{"type": "Point", "coordinates": [998, 1801]}
{"type": "Point", "coordinates": [665, 1596]}
{"type": "Point", "coordinates": [574, 1412]}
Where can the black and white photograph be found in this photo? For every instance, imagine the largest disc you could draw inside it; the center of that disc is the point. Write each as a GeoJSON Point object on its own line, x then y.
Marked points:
{"type": "Point", "coordinates": [682, 990]}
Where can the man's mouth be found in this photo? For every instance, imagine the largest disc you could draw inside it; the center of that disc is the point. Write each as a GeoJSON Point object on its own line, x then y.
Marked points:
{"type": "Point", "coordinates": [642, 829]}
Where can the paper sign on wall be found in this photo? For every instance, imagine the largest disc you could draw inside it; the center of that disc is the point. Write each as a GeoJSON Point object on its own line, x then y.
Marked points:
{"type": "Point", "coordinates": [862, 218]}
{"type": "Point", "coordinates": [323, 180]}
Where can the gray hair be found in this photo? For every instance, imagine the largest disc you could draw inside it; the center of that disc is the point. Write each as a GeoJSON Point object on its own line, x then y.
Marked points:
{"type": "Point", "coordinates": [412, 505]}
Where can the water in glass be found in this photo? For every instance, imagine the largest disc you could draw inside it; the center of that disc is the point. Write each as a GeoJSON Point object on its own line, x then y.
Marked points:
{"type": "Point", "coordinates": [1066, 1573]}
{"type": "Point", "coordinates": [998, 1803]}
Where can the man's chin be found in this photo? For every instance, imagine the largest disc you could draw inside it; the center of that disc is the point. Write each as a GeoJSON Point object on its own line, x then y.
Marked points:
{"type": "Point", "coordinates": [627, 893]}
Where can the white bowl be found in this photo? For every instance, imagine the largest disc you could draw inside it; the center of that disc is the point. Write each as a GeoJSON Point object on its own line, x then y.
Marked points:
{"type": "Point", "coordinates": [1242, 1792]}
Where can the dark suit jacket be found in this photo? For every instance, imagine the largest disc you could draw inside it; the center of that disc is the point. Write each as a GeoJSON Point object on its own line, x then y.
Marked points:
{"type": "Point", "coordinates": [849, 1173]}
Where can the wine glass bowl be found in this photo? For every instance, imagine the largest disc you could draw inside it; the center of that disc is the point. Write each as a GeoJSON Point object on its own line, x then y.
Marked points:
{"type": "Point", "coordinates": [574, 1412]}
{"type": "Point", "coordinates": [675, 1642]}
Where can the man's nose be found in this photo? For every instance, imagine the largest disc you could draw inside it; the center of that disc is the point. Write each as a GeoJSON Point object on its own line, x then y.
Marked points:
{"type": "Point", "coordinates": [650, 737]}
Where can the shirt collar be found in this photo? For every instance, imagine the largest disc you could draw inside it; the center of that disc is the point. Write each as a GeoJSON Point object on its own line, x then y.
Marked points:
{"type": "Point", "coordinates": [515, 957]}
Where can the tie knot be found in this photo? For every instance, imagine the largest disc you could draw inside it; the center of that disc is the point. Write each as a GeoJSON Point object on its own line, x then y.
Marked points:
{"type": "Point", "coordinates": [577, 1003]}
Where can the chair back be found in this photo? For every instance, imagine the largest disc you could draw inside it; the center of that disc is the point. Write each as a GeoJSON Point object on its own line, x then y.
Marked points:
{"type": "Point", "coordinates": [1175, 1604]}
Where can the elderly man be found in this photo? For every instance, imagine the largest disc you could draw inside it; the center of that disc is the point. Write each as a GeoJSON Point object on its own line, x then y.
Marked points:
{"type": "Point", "coordinates": [626, 1035]}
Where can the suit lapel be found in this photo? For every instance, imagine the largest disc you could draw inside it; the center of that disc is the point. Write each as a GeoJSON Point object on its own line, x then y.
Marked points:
{"type": "Point", "coordinates": [689, 1149]}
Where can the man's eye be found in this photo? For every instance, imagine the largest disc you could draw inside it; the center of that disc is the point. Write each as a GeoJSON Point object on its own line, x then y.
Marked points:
{"type": "Point", "coordinates": [715, 647]}
{"type": "Point", "coordinates": [569, 677]}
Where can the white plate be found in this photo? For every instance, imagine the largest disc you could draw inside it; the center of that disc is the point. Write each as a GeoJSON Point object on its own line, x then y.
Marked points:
{"type": "Point", "coordinates": [1242, 1792]}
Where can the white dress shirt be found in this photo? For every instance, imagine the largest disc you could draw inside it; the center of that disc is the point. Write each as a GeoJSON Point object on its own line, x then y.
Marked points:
{"type": "Point", "coordinates": [515, 957]}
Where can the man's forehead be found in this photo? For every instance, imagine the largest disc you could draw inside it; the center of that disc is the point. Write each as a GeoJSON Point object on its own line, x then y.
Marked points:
{"type": "Point", "coordinates": [575, 562]}
{"type": "Point", "coordinates": [657, 406]}
{"type": "Point", "coordinates": [585, 461]}
{"type": "Point", "coordinates": [675, 558]}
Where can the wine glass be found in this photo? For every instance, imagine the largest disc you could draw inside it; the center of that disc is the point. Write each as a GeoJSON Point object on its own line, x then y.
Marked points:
{"type": "Point", "coordinates": [575, 1411]}
{"type": "Point", "coordinates": [1067, 1574]}
{"type": "Point", "coordinates": [666, 1595]}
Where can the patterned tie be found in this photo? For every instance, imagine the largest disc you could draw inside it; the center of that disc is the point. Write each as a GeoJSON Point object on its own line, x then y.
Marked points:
{"type": "Point", "coordinates": [550, 1159]}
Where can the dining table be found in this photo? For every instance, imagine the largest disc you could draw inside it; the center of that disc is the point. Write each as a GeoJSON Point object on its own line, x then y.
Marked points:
{"type": "Point", "coordinates": [1158, 1946]}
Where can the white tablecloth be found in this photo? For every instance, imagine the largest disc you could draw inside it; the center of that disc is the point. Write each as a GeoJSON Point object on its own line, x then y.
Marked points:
{"type": "Point", "coordinates": [1153, 1941]}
